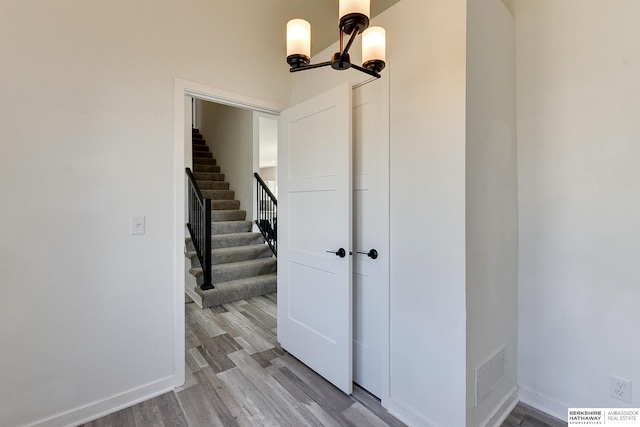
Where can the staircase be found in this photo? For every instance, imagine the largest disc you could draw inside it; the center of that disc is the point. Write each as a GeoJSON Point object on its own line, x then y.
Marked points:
{"type": "Point", "coordinates": [243, 265]}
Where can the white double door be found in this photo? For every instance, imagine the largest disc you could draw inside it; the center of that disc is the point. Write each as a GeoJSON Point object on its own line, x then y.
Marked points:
{"type": "Point", "coordinates": [333, 171]}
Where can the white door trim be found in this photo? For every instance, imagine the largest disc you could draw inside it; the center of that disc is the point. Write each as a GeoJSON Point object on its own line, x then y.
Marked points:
{"type": "Point", "coordinates": [211, 94]}
{"type": "Point", "coordinates": [381, 241]}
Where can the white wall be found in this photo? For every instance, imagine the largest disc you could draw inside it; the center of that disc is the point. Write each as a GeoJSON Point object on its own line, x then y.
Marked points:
{"type": "Point", "coordinates": [578, 63]}
{"type": "Point", "coordinates": [491, 201]}
{"type": "Point", "coordinates": [510, 5]}
{"type": "Point", "coordinates": [269, 174]}
{"type": "Point", "coordinates": [426, 52]}
{"type": "Point", "coordinates": [229, 135]}
{"type": "Point", "coordinates": [86, 131]}
{"type": "Point", "coordinates": [268, 140]}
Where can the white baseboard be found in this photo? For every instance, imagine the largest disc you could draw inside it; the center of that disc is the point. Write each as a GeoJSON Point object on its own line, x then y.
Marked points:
{"type": "Point", "coordinates": [406, 414]}
{"type": "Point", "coordinates": [412, 418]}
{"type": "Point", "coordinates": [503, 410]}
{"type": "Point", "coordinates": [544, 403]}
{"type": "Point", "coordinates": [98, 409]}
{"type": "Point", "coordinates": [190, 291]}
{"type": "Point", "coordinates": [190, 284]}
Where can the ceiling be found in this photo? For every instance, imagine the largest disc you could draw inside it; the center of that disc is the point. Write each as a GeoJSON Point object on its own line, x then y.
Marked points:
{"type": "Point", "coordinates": [323, 16]}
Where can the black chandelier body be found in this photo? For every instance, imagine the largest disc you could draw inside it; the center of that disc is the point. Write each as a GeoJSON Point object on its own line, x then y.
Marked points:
{"type": "Point", "coordinates": [351, 24]}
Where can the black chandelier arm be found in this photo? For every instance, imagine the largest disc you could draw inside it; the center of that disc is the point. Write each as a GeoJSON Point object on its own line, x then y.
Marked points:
{"type": "Point", "coordinates": [349, 43]}
{"type": "Point", "coordinates": [327, 63]}
{"type": "Point", "coordinates": [309, 66]}
{"type": "Point", "coordinates": [364, 70]}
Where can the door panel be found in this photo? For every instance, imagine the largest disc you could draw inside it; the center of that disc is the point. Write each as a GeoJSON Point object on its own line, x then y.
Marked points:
{"type": "Point", "coordinates": [314, 286]}
{"type": "Point", "coordinates": [371, 231]}
{"type": "Point", "coordinates": [314, 157]}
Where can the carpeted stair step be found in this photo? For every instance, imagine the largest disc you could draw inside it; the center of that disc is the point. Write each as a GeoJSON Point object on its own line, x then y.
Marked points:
{"type": "Point", "coordinates": [238, 270]}
{"type": "Point", "coordinates": [206, 168]}
{"type": "Point", "coordinates": [228, 227]}
{"type": "Point", "coordinates": [199, 147]}
{"type": "Point", "coordinates": [203, 161]}
{"type": "Point", "coordinates": [231, 215]}
{"type": "Point", "coordinates": [223, 205]}
{"type": "Point", "coordinates": [208, 176]}
{"type": "Point", "coordinates": [202, 154]}
{"type": "Point", "coordinates": [218, 194]}
{"type": "Point", "coordinates": [242, 269]}
{"type": "Point", "coordinates": [240, 253]}
{"type": "Point", "coordinates": [236, 239]}
{"type": "Point", "coordinates": [198, 140]}
{"type": "Point", "coordinates": [213, 185]}
{"type": "Point", "coordinates": [235, 290]}
{"type": "Point", "coordinates": [227, 255]}
{"type": "Point", "coordinates": [195, 130]}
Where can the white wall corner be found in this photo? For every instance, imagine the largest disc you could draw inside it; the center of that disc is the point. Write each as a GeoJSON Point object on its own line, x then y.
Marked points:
{"type": "Point", "coordinates": [544, 403]}
{"type": "Point", "coordinates": [503, 410]}
{"type": "Point", "coordinates": [406, 414]}
{"type": "Point", "coordinates": [510, 6]}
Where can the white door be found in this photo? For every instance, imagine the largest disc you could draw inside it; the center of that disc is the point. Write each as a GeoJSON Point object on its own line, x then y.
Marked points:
{"type": "Point", "coordinates": [370, 231]}
{"type": "Point", "coordinates": [314, 222]}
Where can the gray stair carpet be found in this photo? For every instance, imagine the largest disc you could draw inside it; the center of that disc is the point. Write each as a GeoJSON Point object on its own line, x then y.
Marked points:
{"type": "Point", "coordinates": [243, 265]}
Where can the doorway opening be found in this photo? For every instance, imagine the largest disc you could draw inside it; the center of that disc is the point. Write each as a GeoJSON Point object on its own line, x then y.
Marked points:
{"type": "Point", "coordinates": [219, 324]}
{"type": "Point", "coordinates": [226, 149]}
{"type": "Point", "coordinates": [184, 92]}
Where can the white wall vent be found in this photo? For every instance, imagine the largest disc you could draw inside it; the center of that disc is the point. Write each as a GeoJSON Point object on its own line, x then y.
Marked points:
{"type": "Point", "coordinates": [488, 375]}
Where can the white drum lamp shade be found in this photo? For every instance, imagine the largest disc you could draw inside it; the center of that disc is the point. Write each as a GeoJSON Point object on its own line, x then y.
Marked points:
{"type": "Point", "coordinates": [299, 38]}
{"type": "Point", "coordinates": [347, 7]}
{"type": "Point", "coordinates": [374, 46]}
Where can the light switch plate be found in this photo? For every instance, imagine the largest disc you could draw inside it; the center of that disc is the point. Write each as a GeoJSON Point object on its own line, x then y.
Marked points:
{"type": "Point", "coordinates": [137, 225]}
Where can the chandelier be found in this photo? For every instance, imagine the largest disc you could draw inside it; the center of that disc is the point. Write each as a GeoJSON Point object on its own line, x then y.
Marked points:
{"type": "Point", "coordinates": [354, 20]}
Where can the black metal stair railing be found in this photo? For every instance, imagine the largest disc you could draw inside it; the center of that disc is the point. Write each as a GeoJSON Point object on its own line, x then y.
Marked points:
{"type": "Point", "coordinates": [267, 214]}
{"type": "Point", "coordinates": [199, 225]}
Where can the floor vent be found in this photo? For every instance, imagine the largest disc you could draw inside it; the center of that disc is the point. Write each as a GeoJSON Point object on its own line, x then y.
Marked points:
{"type": "Point", "coordinates": [488, 375]}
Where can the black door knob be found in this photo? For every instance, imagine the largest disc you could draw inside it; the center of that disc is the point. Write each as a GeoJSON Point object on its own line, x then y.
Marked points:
{"type": "Point", "coordinates": [340, 252]}
{"type": "Point", "coordinates": [373, 254]}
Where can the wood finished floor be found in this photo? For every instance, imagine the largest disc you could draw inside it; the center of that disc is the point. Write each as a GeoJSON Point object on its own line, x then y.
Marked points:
{"type": "Point", "coordinates": [237, 375]}
{"type": "Point", "coordinates": [526, 416]}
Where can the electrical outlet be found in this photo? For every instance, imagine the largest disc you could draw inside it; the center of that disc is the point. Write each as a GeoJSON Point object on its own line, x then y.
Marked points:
{"type": "Point", "coordinates": [621, 389]}
{"type": "Point", "coordinates": [137, 225]}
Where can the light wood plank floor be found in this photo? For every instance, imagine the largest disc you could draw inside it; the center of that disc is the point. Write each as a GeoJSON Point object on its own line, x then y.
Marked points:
{"type": "Point", "coordinates": [526, 416]}
{"type": "Point", "coordinates": [237, 375]}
